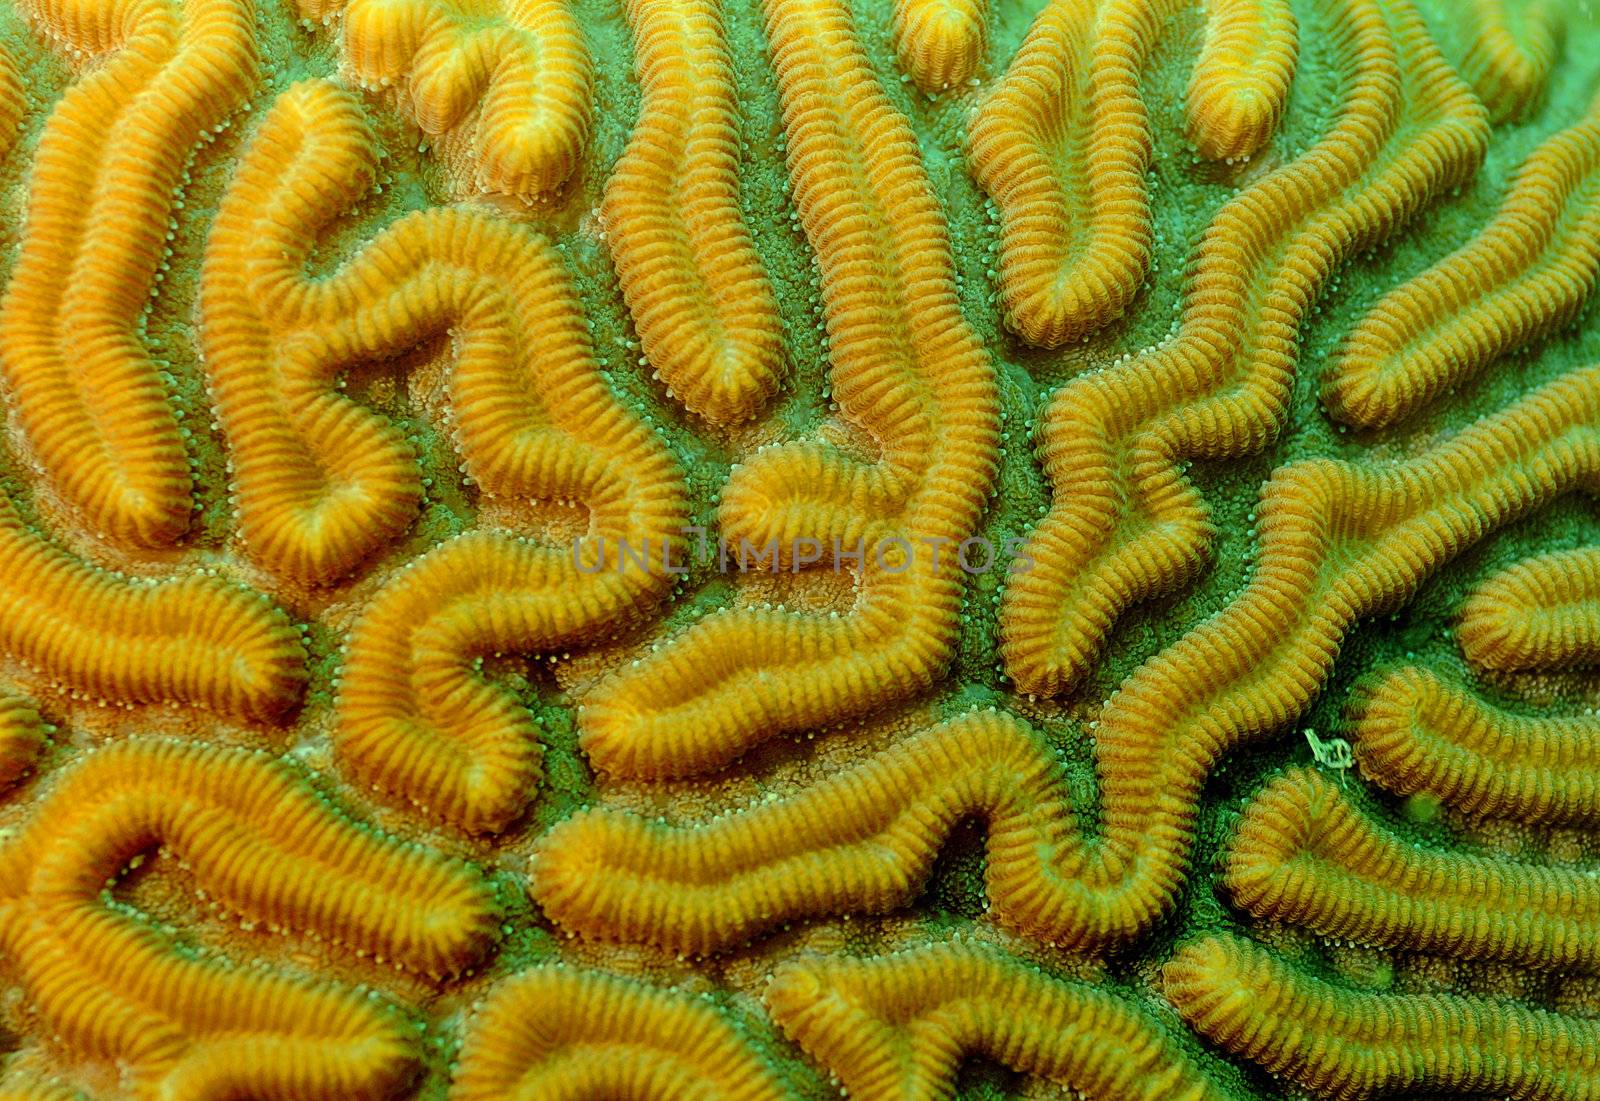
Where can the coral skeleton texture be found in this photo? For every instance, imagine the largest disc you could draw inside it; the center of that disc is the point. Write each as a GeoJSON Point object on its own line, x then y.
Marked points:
{"type": "Point", "coordinates": [756, 550]}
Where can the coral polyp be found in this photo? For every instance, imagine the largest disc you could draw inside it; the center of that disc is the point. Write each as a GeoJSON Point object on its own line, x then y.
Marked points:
{"type": "Point", "coordinates": [761, 549]}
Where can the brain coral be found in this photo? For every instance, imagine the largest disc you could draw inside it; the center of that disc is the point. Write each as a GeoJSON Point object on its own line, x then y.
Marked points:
{"type": "Point", "coordinates": [756, 549]}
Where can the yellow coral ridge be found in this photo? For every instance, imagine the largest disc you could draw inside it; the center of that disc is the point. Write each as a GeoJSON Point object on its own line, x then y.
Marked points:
{"type": "Point", "coordinates": [1062, 145]}
{"type": "Point", "coordinates": [536, 420]}
{"type": "Point", "coordinates": [899, 1026]}
{"type": "Point", "coordinates": [1526, 274]}
{"type": "Point", "coordinates": [906, 369]}
{"type": "Point", "coordinates": [561, 1032]}
{"type": "Point", "coordinates": [1415, 732]}
{"type": "Point", "coordinates": [1126, 523]}
{"type": "Point", "coordinates": [1513, 47]}
{"type": "Point", "coordinates": [1542, 613]}
{"type": "Point", "coordinates": [416, 713]}
{"type": "Point", "coordinates": [706, 313]}
{"type": "Point", "coordinates": [24, 1087]}
{"type": "Point", "coordinates": [1343, 1044]}
{"type": "Point", "coordinates": [940, 42]}
{"type": "Point", "coordinates": [86, 389]}
{"type": "Point", "coordinates": [1337, 541]}
{"type": "Point", "coordinates": [192, 639]}
{"type": "Point", "coordinates": [257, 838]}
{"type": "Point", "coordinates": [863, 840]}
{"type": "Point", "coordinates": [1241, 78]}
{"type": "Point", "coordinates": [13, 101]}
{"type": "Point", "coordinates": [321, 481]}
{"type": "Point", "coordinates": [1303, 855]}
{"type": "Point", "coordinates": [508, 83]}
{"type": "Point", "coordinates": [21, 737]}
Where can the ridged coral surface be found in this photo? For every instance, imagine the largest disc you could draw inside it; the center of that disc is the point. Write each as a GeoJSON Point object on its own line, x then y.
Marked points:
{"type": "Point", "coordinates": [750, 550]}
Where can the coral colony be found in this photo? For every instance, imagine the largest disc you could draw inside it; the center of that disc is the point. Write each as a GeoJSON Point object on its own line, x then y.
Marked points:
{"type": "Point", "coordinates": [763, 549]}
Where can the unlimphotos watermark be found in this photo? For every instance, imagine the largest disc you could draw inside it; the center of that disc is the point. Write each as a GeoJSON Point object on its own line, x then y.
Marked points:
{"type": "Point", "coordinates": [891, 555]}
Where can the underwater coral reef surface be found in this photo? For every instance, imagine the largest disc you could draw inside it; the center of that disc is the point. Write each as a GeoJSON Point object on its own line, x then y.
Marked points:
{"type": "Point", "coordinates": [750, 549]}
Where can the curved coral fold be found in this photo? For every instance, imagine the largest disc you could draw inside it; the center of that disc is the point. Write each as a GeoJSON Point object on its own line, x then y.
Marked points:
{"type": "Point", "coordinates": [260, 841]}
{"type": "Point", "coordinates": [1125, 523]}
{"type": "Point", "coordinates": [323, 482]}
{"type": "Point", "coordinates": [13, 101]}
{"type": "Point", "coordinates": [536, 420]}
{"type": "Point", "coordinates": [1241, 79]}
{"type": "Point", "coordinates": [1303, 854]}
{"type": "Point", "coordinates": [704, 307]}
{"type": "Point", "coordinates": [1512, 47]}
{"type": "Point", "coordinates": [418, 717]}
{"type": "Point", "coordinates": [1542, 613]}
{"type": "Point", "coordinates": [86, 390]}
{"type": "Point", "coordinates": [26, 1087]}
{"type": "Point", "coordinates": [909, 371]}
{"type": "Point", "coordinates": [507, 84]}
{"type": "Point", "coordinates": [1415, 732]}
{"type": "Point", "coordinates": [1529, 272]}
{"type": "Point", "coordinates": [1338, 541]}
{"type": "Point", "coordinates": [193, 639]}
{"type": "Point", "coordinates": [22, 737]}
{"type": "Point", "coordinates": [562, 1032]}
{"type": "Point", "coordinates": [747, 550]}
{"type": "Point", "coordinates": [898, 1026]}
{"type": "Point", "coordinates": [940, 42]}
{"type": "Point", "coordinates": [863, 840]}
{"type": "Point", "coordinates": [320, 482]}
{"type": "Point", "coordinates": [1062, 144]}
{"type": "Point", "coordinates": [1344, 1044]}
